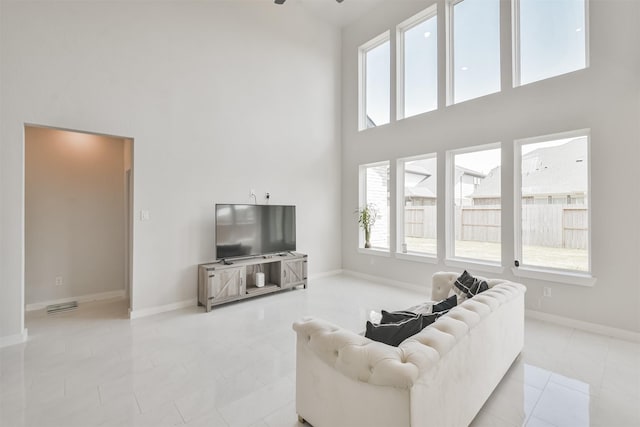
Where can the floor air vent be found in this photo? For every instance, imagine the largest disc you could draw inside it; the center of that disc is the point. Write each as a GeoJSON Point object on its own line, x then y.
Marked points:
{"type": "Point", "coordinates": [65, 306]}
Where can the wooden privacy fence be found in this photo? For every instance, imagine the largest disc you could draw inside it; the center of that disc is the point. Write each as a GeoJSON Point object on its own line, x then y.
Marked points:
{"type": "Point", "coordinates": [478, 223]}
{"type": "Point", "coordinates": [420, 221]}
{"type": "Point", "coordinates": [557, 226]}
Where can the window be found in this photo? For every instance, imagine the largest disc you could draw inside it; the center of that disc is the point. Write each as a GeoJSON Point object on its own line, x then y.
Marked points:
{"type": "Point", "coordinates": [374, 192]}
{"type": "Point", "coordinates": [474, 204]}
{"type": "Point", "coordinates": [552, 232]}
{"type": "Point", "coordinates": [375, 82]}
{"type": "Point", "coordinates": [550, 38]}
{"type": "Point", "coordinates": [418, 64]}
{"type": "Point", "coordinates": [473, 49]}
{"type": "Point", "coordinates": [417, 205]}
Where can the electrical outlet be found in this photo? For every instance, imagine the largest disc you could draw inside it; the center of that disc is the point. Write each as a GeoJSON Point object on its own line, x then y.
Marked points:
{"type": "Point", "coordinates": [58, 280]}
{"type": "Point", "coordinates": [546, 292]}
{"type": "Point", "coordinates": [144, 215]}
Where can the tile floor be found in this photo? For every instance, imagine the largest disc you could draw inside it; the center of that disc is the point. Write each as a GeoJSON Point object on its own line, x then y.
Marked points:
{"type": "Point", "coordinates": [235, 366]}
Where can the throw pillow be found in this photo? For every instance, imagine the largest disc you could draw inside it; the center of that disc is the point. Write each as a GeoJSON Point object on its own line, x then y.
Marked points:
{"type": "Point", "coordinates": [469, 285]}
{"type": "Point", "coordinates": [428, 319]}
{"type": "Point", "coordinates": [445, 305]}
{"type": "Point", "coordinates": [396, 316]}
{"type": "Point", "coordinates": [399, 316]}
{"type": "Point", "coordinates": [394, 333]}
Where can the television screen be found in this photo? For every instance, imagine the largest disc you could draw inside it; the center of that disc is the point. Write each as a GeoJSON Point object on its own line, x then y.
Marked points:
{"type": "Point", "coordinates": [251, 230]}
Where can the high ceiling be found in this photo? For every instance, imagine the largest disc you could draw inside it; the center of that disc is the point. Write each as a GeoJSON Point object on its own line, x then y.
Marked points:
{"type": "Point", "coordinates": [339, 14]}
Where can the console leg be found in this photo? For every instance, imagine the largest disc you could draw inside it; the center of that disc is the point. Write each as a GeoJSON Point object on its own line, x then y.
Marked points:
{"type": "Point", "coordinates": [300, 419]}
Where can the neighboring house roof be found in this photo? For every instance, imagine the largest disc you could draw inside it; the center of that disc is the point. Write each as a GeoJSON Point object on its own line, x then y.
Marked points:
{"type": "Point", "coordinates": [416, 170]}
{"type": "Point", "coordinates": [469, 172]}
{"type": "Point", "coordinates": [418, 191]}
{"type": "Point", "coordinates": [426, 186]}
{"type": "Point", "coordinates": [553, 170]}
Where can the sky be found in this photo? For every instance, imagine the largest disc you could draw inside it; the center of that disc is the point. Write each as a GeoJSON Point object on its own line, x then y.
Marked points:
{"type": "Point", "coordinates": [552, 34]}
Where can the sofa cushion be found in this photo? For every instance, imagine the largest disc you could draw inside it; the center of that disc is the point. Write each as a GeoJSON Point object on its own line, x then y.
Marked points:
{"type": "Point", "coordinates": [394, 333]}
{"type": "Point", "coordinates": [467, 286]}
{"type": "Point", "coordinates": [445, 305]}
{"type": "Point", "coordinates": [399, 316]}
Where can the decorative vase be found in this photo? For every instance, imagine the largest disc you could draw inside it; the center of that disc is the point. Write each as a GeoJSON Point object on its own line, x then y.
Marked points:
{"type": "Point", "coordinates": [367, 238]}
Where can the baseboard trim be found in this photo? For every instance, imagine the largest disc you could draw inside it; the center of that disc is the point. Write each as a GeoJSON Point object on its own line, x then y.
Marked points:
{"type": "Point", "coordinates": [14, 339]}
{"type": "Point", "coordinates": [584, 326]}
{"type": "Point", "coordinates": [389, 282]}
{"type": "Point", "coordinates": [136, 314]}
{"type": "Point", "coordinates": [82, 298]}
{"type": "Point", "coordinates": [326, 274]}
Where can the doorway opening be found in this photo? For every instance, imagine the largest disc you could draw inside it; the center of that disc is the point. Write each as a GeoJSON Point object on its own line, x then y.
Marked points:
{"type": "Point", "coordinates": [78, 221]}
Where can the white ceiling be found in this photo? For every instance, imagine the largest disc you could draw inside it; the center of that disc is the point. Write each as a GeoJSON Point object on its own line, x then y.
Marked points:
{"type": "Point", "coordinates": [339, 14]}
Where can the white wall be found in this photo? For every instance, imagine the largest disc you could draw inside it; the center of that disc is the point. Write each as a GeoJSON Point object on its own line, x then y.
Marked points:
{"type": "Point", "coordinates": [74, 214]}
{"type": "Point", "coordinates": [603, 97]}
{"type": "Point", "coordinates": [219, 97]}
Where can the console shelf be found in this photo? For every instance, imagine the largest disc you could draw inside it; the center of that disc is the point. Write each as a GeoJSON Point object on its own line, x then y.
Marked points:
{"type": "Point", "coordinates": [220, 283]}
{"type": "Point", "coordinates": [254, 290]}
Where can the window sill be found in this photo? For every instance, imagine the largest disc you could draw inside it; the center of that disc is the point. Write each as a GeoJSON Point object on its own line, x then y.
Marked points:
{"type": "Point", "coordinates": [476, 265]}
{"type": "Point", "coordinates": [579, 279]}
{"type": "Point", "coordinates": [375, 251]}
{"type": "Point", "coordinates": [417, 257]}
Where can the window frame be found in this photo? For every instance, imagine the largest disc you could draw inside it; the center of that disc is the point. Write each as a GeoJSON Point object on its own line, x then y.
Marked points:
{"type": "Point", "coordinates": [450, 227]}
{"type": "Point", "coordinates": [400, 169]}
{"type": "Point", "coordinates": [574, 277]}
{"type": "Point", "coordinates": [401, 29]}
{"type": "Point", "coordinates": [515, 44]}
{"type": "Point", "coordinates": [362, 77]}
{"type": "Point", "coordinates": [362, 200]}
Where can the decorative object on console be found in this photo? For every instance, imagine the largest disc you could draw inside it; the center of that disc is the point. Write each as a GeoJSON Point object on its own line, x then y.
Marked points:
{"type": "Point", "coordinates": [367, 218]}
{"type": "Point", "coordinates": [259, 279]}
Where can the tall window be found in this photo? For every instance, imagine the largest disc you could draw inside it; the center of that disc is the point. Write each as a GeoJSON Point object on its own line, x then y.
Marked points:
{"type": "Point", "coordinates": [550, 38]}
{"type": "Point", "coordinates": [375, 82]}
{"type": "Point", "coordinates": [553, 227]}
{"type": "Point", "coordinates": [474, 49]}
{"type": "Point", "coordinates": [474, 204]}
{"type": "Point", "coordinates": [418, 64]}
{"type": "Point", "coordinates": [417, 205]}
{"type": "Point", "coordinates": [374, 192]}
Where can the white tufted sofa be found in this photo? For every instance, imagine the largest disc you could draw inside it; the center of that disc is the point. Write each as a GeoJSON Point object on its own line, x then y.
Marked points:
{"type": "Point", "coordinates": [440, 377]}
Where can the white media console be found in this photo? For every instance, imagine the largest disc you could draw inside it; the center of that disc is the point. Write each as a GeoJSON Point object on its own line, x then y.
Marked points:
{"type": "Point", "coordinates": [219, 283]}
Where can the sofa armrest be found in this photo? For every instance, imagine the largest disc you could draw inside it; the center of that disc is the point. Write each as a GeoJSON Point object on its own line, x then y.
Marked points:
{"type": "Point", "coordinates": [360, 358]}
{"type": "Point", "coordinates": [441, 285]}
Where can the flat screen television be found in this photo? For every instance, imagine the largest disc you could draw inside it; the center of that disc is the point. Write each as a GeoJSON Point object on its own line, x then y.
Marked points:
{"type": "Point", "coordinates": [252, 230]}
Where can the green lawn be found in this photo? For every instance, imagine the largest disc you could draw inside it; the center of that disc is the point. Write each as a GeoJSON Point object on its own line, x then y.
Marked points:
{"type": "Point", "coordinates": [569, 259]}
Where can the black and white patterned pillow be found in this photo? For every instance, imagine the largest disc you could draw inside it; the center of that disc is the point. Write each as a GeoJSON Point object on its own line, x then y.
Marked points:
{"type": "Point", "coordinates": [467, 286]}
{"type": "Point", "coordinates": [399, 316]}
{"type": "Point", "coordinates": [394, 333]}
{"type": "Point", "coordinates": [445, 305]}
